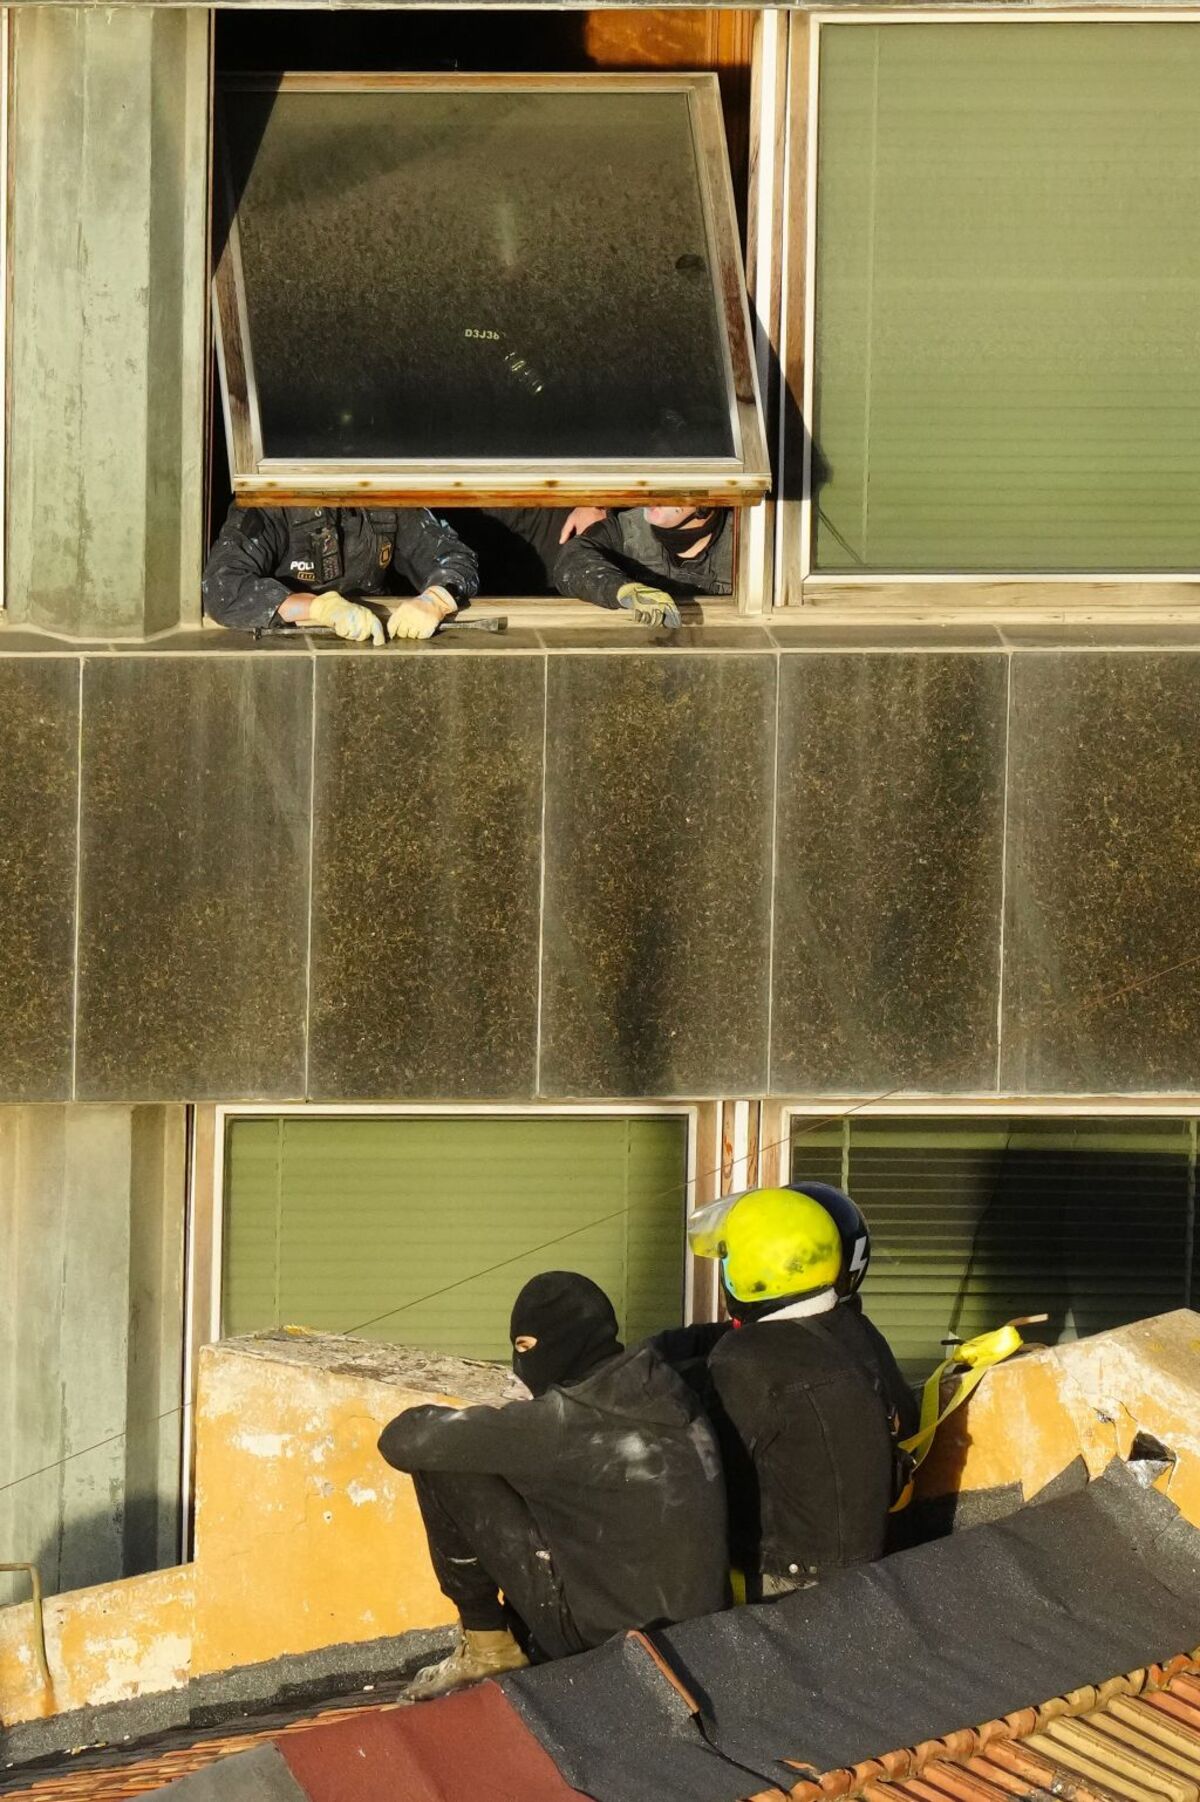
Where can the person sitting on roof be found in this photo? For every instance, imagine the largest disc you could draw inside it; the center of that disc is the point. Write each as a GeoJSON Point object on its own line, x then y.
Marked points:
{"type": "Point", "coordinates": [647, 559]}
{"type": "Point", "coordinates": [298, 566]}
{"type": "Point", "coordinates": [805, 1395]}
{"type": "Point", "coordinates": [596, 1507]}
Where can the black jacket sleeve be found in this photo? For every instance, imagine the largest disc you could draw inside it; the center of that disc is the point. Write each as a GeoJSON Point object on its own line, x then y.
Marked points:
{"type": "Point", "coordinates": [686, 1349]}
{"type": "Point", "coordinates": [433, 554]}
{"type": "Point", "coordinates": [239, 585]}
{"type": "Point", "coordinates": [590, 567]}
{"type": "Point", "coordinates": [513, 1441]}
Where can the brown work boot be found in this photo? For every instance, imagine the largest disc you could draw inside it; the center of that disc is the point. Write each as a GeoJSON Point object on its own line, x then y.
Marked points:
{"type": "Point", "coordinates": [476, 1656]}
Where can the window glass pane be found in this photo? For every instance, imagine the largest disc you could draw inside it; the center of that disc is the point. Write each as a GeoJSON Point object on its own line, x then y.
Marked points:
{"type": "Point", "coordinates": [436, 1223]}
{"type": "Point", "coordinates": [478, 274]}
{"type": "Point", "coordinates": [1008, 297]}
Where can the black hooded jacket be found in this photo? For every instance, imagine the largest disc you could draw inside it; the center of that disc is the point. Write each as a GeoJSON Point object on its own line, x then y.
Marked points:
{"type": "Point", "coordinates": [621, 1472]}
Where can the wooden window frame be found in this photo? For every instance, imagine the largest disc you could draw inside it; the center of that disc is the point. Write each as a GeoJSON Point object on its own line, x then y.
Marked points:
{"type": "Point", "coordinates": [729, 481]}
{"type": "Point", "coordinates": [1150, 597]}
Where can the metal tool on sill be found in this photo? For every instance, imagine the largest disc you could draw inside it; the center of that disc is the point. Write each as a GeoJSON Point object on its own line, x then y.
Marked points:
{"type": "Point", "coordinates": [475, 623]}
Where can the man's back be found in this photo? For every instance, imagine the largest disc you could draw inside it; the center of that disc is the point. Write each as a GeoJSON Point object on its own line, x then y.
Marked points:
{"type": "Point", "coordinates": [622, 1476]}
{"type": "Point", "coordinates": [805, 1431]}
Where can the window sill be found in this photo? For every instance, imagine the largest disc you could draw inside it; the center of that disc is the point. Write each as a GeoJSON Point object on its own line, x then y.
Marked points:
{"type": "Point", "coordinates": [571, 627]}
{"type": "Point", "coordinates": [1064, 597]}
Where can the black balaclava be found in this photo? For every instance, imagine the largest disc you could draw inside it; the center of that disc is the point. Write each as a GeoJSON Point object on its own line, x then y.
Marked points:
{"type": "Point", "coordinates": [676, 540]}
{"type": "Point", "coordinates": [573, 1322]}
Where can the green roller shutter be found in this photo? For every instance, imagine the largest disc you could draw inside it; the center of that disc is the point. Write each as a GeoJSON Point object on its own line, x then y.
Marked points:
{"type": "Point", "coordinates": [976, 1221]}
{"type": "Point", "coordinates": [422, 1230]}
{"type": "Point", "coordinates": [1007, 354]}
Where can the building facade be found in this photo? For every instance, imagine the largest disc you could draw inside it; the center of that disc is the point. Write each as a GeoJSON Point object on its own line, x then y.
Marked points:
{"type": "Point", "coordinates": [345, 988]}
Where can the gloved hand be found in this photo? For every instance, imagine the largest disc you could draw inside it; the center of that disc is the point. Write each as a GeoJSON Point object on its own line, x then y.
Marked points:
{"type": "Point", "coordinates": [649, 606]}
{"type": "Point", "coordinates": [421, 617]}
{"type": "Point", "coordinates": [346, 618]}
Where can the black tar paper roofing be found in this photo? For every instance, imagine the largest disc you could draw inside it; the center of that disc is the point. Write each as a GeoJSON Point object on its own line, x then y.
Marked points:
{"type": "Point", "coordinates": [942, 1636]}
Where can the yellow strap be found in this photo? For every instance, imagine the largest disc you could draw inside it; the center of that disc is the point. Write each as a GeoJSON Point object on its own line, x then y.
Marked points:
{"type": "Point", "coordinates": [979, 1355]}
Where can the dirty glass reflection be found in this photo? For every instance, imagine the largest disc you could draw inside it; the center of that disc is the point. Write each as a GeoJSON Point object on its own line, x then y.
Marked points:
{"type": "Point", "coordinates": [477, 274]}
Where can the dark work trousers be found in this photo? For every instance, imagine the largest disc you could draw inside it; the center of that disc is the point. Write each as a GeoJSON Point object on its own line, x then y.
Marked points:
{"type": "Point", "coordinates": [483, 1539]}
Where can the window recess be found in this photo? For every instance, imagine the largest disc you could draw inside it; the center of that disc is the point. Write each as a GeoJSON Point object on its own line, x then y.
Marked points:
{"type": "Point", "coordinates": [482, 290]}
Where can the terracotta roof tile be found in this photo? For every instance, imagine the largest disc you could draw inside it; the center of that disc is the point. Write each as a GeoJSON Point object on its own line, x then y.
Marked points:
{"type": "Point", "coordinates": [1131, 1739]}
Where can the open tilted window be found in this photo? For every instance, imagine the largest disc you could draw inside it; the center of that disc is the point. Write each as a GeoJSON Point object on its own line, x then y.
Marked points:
{"type": "Point", "coordinates": [482, 288]}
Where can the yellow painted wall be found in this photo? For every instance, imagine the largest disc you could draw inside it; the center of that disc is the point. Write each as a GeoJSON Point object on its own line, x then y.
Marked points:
{"type": "Point", "coordinates": [102, 1645]}
{"type": "Point", "coordinates": [1034, 1415]}
{"type": "Point", "coordinates": [304, 1537]}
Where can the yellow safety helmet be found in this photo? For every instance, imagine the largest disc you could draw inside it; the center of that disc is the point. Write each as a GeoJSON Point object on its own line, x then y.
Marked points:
{"type": "Point", "coordinates": [771, 1243]}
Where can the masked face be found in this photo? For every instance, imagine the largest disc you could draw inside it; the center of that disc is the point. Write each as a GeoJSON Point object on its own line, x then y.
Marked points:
{"type": "Point", "coordinates": [562, 1327]}
{"type": "Point", "coordinates": [680, 529]}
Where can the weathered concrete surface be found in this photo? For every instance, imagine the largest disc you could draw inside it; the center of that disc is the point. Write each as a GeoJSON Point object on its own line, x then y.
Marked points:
{"type": "Point", "coordinates": [307, 1544]}
{"type": "Point", "coordinates": [1031, 1417]}
{"type": "Point", "coordinates": [109, 161]}
{"type": "Point", "coordinates": [91, 1320]}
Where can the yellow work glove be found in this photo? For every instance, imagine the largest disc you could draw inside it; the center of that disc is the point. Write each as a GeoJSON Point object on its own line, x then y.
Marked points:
{"type": "Point", "coordinates": [421, 617]}
{"type": "Point", "coordinates": [346, 618]}
{"type": "Point", "coordinates": [649, 606]}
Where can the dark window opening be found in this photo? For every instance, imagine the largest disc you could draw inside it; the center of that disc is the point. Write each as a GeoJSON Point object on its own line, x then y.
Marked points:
{"type": "Point", "coordinates": [513, 294]}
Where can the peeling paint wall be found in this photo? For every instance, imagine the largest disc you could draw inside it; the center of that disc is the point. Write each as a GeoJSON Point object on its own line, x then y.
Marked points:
{"type": "Point", "coordinates": [1034, 1415]}
{"type": "Point", "coordinates": [332, 1548]}
{"type": "Point", "coordinates": [304, 1537]}
{"type": "Point", "coordinates": [102, 1645]}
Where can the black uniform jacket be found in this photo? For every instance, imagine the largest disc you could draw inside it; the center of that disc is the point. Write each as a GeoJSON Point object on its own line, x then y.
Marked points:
{"type": "Point", "coordinates": [622, 548]}
{"type": "Point", "coordinates": [263, 554]}
{"type": "Point", "coordinates": [807, 1413]}
{"type": "Point", "coordinates": [622, 1476]}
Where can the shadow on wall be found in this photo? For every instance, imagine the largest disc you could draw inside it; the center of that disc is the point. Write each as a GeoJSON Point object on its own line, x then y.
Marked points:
{"type": "Point", "coordinates": [139, 1533]}
{"type": "Point", "coordinates": [1075, 1235]}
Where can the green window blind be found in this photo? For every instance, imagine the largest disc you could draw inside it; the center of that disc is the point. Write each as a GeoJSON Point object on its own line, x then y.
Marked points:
{"type": "Point", "coordinates": [330, 1223]}
{"type": "Point", "coordinates": [976, 1221]}
{"type": "Point", "coordinates": [1007, 363]}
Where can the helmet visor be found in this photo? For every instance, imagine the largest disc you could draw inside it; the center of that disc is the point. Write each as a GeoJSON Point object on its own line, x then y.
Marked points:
{"type": "Point", "coordinates": [706, 1227]}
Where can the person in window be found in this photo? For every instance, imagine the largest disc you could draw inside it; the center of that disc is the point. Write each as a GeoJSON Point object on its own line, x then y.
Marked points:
{"type": "Point", "coordinates": [803, 1390]}
{"type": "Point", "coordinates": [594, 1508]}
{"type": "Point", "coordinates": [648, 559]}
{"type": "Point", "coordinates": [295, 566]}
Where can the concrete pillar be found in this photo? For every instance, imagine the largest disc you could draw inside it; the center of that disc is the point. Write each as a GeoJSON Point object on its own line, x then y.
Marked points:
{"type": "Point", "coordinates": [109, 136]}
{"type": "Point", "coordinates": [92, 1216]}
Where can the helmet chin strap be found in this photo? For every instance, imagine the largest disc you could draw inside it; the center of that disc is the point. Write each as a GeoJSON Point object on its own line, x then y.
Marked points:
{"type": "Point", "coordinates": [777, 1307]}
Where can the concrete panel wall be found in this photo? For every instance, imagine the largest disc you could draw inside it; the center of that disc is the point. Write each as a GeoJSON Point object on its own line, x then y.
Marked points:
{"type": "Point", "coordinates": [534, 871]}
{"type": "Point", "coordinates": [109, 150]}
{"type": "Point", "coordinates": [91, 1218]}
